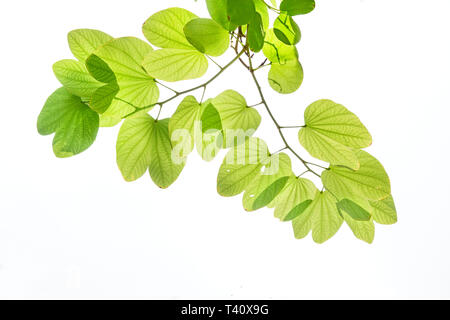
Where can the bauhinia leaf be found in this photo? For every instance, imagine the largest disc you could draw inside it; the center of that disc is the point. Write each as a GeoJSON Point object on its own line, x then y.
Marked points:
{"type": "Point", "coordinates": [83, 42]}
{"type": "Point", "coordinates": [209, 137]}
{"type": "Point", "coordinates": [240, 12]}
{"type": "Point", "coordinates": [256, 33]}
{"type": "Point", "coordinates": [355, 211]}
{"type": "Point", "coordinates": [75, 125]}
{"type": "Point", "coordinates": [286, 30]}
{"type": "Point", "coordinates": [219, 13]}
{"type": "Point", "coordinates": [277, 51]}
{"type": "Point", "coordinates": [384, 211]}
{"type": "Point", "coordinates": [116, 111]}
{"type": "Point", "coordinates": [103, 97]}
{"type": "Point", "coordinates": [175, 64]}
{"type": "Point", "coordinates": [164, 29]}
{"type": "Point", "coordinates": [286, 78]}
{"type": "Point", "coordinates": [297, 7]}
{"type": "Point", "coordinates": [207, 36]}
{"type": "Point", "coordinates": [363, 230]}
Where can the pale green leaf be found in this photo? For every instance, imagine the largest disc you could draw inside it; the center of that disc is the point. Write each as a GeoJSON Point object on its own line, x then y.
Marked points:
{"type": "Point", "coordinates": [83, 42]}
{"type": "Point", "coordinates": [124, 57]}
{"type": "Point", "coordinates": [75, 125]}
{"type": "Point", "coordinates": [175, 64]}
{"type": "Point", "coordinates": [116, 111]}
{"type": "Point", "coordinates": [326, 220]}
{"type": "Point", "coordinates": [363, 230]}
{"type": "Point", "coordinates": [286, 78]}
{"type": "Point", "coordinates": [209, 138]}
{"type": "Point", "coordinates": [286, 30]}
{"type": "Point", "coordinates": [370, 181]}
{"type": "Point", "coordinates": [297, 7]}
{"type": "Point", "coordinates": [277, 51]}
{"type": "Point", "coordinates": [164, 29]}
{"type": "Point", "coordinates": [241, 165]}
{"type": "Point", "coordinates": [384, 211]}
{"type": "Point", "coordinates": [238, 120]}
{"type": "Point", "coordinates": [355, 211]}
{"type": "Point", "coordinates": [74, 76]}
{"type": "Point", "coordinates": [207, 36]}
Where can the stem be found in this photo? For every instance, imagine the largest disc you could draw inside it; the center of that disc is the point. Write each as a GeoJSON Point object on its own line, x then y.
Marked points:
{"type": "Point", "coordinates": [176, 95]}
{"type": "Point", "coordinates": [305, 163]}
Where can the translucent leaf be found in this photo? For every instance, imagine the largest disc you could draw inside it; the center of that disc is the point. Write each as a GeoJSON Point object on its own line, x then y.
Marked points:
{"type": "Point", "coordinates": [209, 138]}
{"type": "Point", "coordinates": [263, 11]}
{"type": "Point", "coordinates": [277, 51]}
{"type": "Point", "coordinates": [100, 70]}
{"type": "Point", "coordinates": [175, 64]}
{"type": "Point", "coordinates": [355, 211]}
{"type": "Point", "coordinates": [370, 181]}
{"type": "Point", "coordinates": [297, 7]}
{"type": "Point", "coordinates": [75, 125]}
{"type": "Point", "coordinates": [207, 36]}
{"type": "Point", "coordinates": [321, 216]}
{"type": "Point", "coordinates": [241, 165]}
{"type": "Point", "coordinates": [238, 120]}
{"type": "Point", "coordinates": [286, 78]}
{"type": "Point", "coordinates": [116, 111]}
{"type": "Point", "coordinates": [219, 13]}
{"type": "Point", "coordinates": [124, 57]}
{"type": "Point", "coordinates": [363, 230]}
{"type": "Point", "coordinates": [164, 29]}
{"type": "Point", "coordinates": [256, 33]}
{"type": "Point", "coordinates": [296, 192]}
{"type": "Point", "coordinates": [268, 184]}
{"type": "Point", "coordinates": [103, 97]}
{"type": "Point", "coordinates": [74, 76]}
{"type": "Point", "coordinates": [240, 12]}
{"type": "Point", "coordinates": [182, 124]}
{"type": "Point", "coordinates": [384, 211]}
{"type": "Point", "coordinates": [286, 30]}
{"type": "Point", "coordinates": [83, 42]}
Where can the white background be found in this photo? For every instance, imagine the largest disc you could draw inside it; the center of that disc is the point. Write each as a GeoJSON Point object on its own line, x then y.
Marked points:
{"type": "Point", "coordinates": [74, 228]}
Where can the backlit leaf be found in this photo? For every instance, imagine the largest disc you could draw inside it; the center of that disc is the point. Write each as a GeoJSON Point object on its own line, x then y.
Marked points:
{"type": "Point", "coordinates": [355, 211]}
{"type": "Point", "coordinates": [286, 78]}
{"type": "Point", "coordinates": [297, 7]}
{"type": "Point", "coordinates": [83, 42]}
{"type": "Point", "coordinates": [384, 211]}
{"type": "Point", "coordinates": [363, 230]}
{"type": "Point", "coordinates": [240, 12]}
{"type": "Point", "coordinates": [286, 30]}
{"type": "Point", "coordinates": [277, 51]}
{"type": "Point", "coordinates": [219, 13]}
{"type": "Point", "coordinates": [256, 33]}
{"type": "Point", "coordinates": [207, 36]}
{"type": "Point", "coordinates": [103, 97]}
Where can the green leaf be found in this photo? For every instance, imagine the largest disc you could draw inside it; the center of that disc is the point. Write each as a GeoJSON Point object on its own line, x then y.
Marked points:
{"type": "Point", "coordinates": [277, 51]}
{"type": "Point", "coordinates": [384, 211]}
{"type": "Point", "coordinates": [207, 36]}
{"type": "Point", "coordinates": [238, 120]}
{"type": "Point", "coordinates": [286, 30]}
{"type": "Point", "coordinates": [370, 181]}
{"type": "Point", "coordinates": [74, 76]}
{"type": "Point", "coordinates": [240, 167]}
{"type": "Point", "coordinates": [75, 125]}
{"type": "Point", "coordinates": [263, 11]}
{"type": "Point", "coordinates": [268, 184]}
{"type": "Point", "coordinates": [116, 111]}
{"type": "Point", "coordinates": [321, 216]}
{"type": "Point", "coordinates": [293, 198]}
{"type": "Point", "coordinates": [219, 13]}
{"type": "Point", "coordinates": [164, 29]}
{"type": "Point", "coordinates": [363, 230]}
{"type": "Point", "coordinates": [103, 97]}
{"type": "Point", "coordinates": [144, 143]}
{"type": "Point", "coordinates": [240, 12]}
{"type": "Point", "coordinates": [209, 139]}
{"type": "Point", "coordinates": [256, 33]}
{"type": "Point", "coordinates": [332, 133]}
{"type": "Point", "coordinates": [182, 124]}
{"type": "Point", "coordinates": [124, 57]}
{"type": "Point", "coordinates": [100, 70]}
{"type": "Point", "coordinates": [164, 169]}
{"type": "Point", "coordinates": [297, 7]}
{"type": "Point", "coordinates": [175, 64]}
{"type": "Point", "coordinates": [286, 78]}
{"type": "Point", "coordinates": [355, 211]}
{"type": "Point", "coordinates": [83, 42]}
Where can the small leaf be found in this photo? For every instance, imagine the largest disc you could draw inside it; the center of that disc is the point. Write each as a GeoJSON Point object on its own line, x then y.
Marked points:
{"type": "Point", "coordinates": [83, 42]}
{"type": "Point", "coordinates": [355, 211]}
{"type": "Point", "coordinates": [297, 7]}
{"type": "Point", "coordinates": [75, 125]}
{"type": "Point", "coordinates": [286, 30]}
{"type": "Point", "coordinates": [240, 12]}
{"type": "Point", "coordinates": [286, 78]}
{"type": "Point", "coordinates": [277, 51]}
{"type": "Point", "coordinates": [384, 211]}
{"type": "Point", "coordinates": [209, 138]}
{"type": "Point", "coordinates": [103, 97]}
{"type": "Point", "coordinates": [175, 64]}
{"type": "Point", "coordinates": [74, 76]}
{"type": "Point", "coordinates": [369, 182]}
{"type": "Point", "coordinates": [164, 29]}
{"type": "Point", "coordinates": [207, 36]}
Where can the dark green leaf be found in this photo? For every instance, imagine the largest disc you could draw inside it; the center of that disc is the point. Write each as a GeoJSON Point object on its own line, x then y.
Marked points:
{"type": "Point", "coordinates": [297, 7]}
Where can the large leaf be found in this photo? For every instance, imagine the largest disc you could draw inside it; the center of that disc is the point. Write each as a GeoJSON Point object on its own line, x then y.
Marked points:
{"type": "Point", "coordinates": [277, 51]}
{"type": "Point", "coordinates": [286, 30]}
{"type": "Point", "coordinates": [266, 186]}
{"type": "Point", "coordinates": [175, 64]}
{"type": "Point", "coordinates": [370, 181]}
{"type": "Point", "coordinates": [75, 125]}
{"type": "Point", "coordinates": [182, 124]}
{"type": "Point", "coordinates": [124, 57]}
{"type": "Point", "coordinates": [241, 165]}
{"type": "Point", "coordinates": [295, 197]}
{"type": "Point", "coordinates": [219, 13]}
{"type": "Point", "coordinates": [207, 36]}
{"type": "Point", "coordinates": [240, 12]}
{"type": "Point", "coordinates": [384, 211]}
{"type": "Point", "coordinates": [363, 230]}
{"type": "Point", "coordinates": [74, 76]}
{"type": "Point", "coordinates": [297, 7]}
{"type": "Point", "coordinates": [83, 42]}
{"type": "Point", "coordinates": [238, 120]}
{"type": "Point", "coordinates": [164, 29]}
{"type": "Point", "coordinates": [286, 78]}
